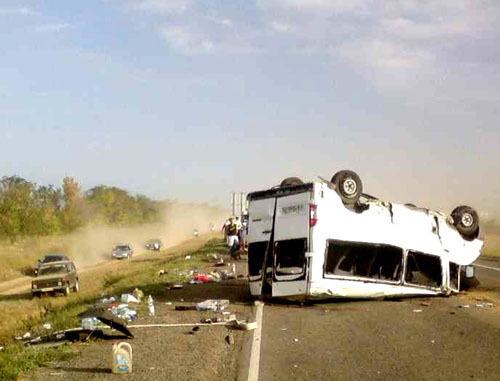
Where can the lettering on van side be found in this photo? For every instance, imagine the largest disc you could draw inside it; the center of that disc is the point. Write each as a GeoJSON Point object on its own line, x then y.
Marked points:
{"type": "Point", "coordinates": [293, 209]}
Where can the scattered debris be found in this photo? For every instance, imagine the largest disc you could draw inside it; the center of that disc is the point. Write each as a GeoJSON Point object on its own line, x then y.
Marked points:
{"type": "Point", "coordinates": [168, 303]}
{"type": "Point", "coordinates": [220, 262]}
{"type": "Point", "coordinates": [108, 300]}
{"type": "Point", "coordinates": [417, 310]}
{"type": "Point", "coordinates": [47, 326]}
{"type": "Point", "coordinates": [284, 329]}
{"type": "Point", "coordinates": [296, 340]}
{"type": "Point", "coordinates": [212, 305]}
{"type": "Point", "coordinates": [162, 272]}
{"type": "Point", "coordinates": [464, 306]}
{"type": "Point", "coordinates": [199, 279]}
{"type": "Point", "coordinates": [90, 323]}
{"type": "Point", "coordinates": [425, 304]}
{"type": "Point", "coordinates": [176, 287]}
{"type": "Point", "coordinates": [138, 294]}
{"type": "Point", "coordinates": [129, 298]}
{"type": "Point", "coordinates": [114, 322]}
{"type": "Point", "coordinates": [244, 325]}
{"type": "Point", "coordinates": [121, 360]}
{"type": "Point", "coordinates": [151, 306]}
{"type": "Point", "coordinates": [188, 257]}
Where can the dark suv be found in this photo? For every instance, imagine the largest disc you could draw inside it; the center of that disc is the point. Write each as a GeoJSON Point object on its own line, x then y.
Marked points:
{"type": "Point", "coordinates": [55, 277]}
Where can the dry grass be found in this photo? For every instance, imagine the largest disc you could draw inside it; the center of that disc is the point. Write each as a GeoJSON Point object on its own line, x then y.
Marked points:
{"type": "Point", "coordinates": [20, 312]}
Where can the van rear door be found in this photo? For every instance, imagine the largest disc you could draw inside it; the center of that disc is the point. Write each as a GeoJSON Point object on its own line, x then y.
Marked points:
{"type": "Point", "coordinates": [260, 223]}
{"type": "Point", "coordinates": [291, 242]}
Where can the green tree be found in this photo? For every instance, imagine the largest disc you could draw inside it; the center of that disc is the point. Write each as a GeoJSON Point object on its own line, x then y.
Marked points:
{"type": "Point", "coordinates": [72, 213]}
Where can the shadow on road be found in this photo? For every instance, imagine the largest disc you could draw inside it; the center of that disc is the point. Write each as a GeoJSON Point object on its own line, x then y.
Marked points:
{"type": "Point", "coordinates": [17, 296]}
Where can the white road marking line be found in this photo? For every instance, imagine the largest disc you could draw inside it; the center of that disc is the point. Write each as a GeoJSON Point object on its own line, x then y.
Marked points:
{"type": "Point", "coordinates": [253, 369]}
{"type": "Point", "coordinates": [487, 267]}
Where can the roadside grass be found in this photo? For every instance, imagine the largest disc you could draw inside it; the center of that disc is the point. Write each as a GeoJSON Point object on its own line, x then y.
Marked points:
{"type": "Point", "coordinates": [20, 314]}
{"type": "Point", "coordinates": [16, 359]}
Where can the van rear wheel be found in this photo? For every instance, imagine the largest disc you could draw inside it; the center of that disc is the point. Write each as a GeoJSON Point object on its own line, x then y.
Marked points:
{"type": "Point", "coordinates": [349, 186]}
{"type": "Point", "coordinates": [76, 288]}
{"type": "Point", "coordinates": [291, 181]}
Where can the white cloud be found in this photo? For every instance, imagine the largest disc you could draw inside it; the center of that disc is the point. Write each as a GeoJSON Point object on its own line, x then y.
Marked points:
{"type": "Point", "coordinates": [163, 6]}
{"type": "Point", "coordinates": [54, 27]}
{"type": "Point", "coordinates": [185, 41]}
{"type": "Point", "coordinates": [223, 21]}
{"type": "Point", "coordinates": [22, 11]}
{"type": "Point", "coordinates": [281, 27]}
{"type": "Point", "coordinates": [316, 5]}
{"type": "Point", "coordinates": [384, 55]}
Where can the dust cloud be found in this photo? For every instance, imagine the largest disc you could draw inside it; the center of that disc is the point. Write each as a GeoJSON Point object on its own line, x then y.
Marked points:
{"type": "Point", "coordinates": [93, 244]}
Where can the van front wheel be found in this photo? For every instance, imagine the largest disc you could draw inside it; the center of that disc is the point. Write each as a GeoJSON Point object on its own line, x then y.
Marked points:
{"type": "Point", "coordinates": [349, 186]}
{"type": "Point", "coordinates": [466, 221]}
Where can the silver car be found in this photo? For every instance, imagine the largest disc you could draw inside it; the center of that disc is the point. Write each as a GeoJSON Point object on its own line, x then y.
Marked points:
{"type": "Point", "coordinates": [122, 252]}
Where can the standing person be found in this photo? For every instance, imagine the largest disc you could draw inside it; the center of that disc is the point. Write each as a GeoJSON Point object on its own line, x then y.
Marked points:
{"type": "Point", "coordinates": [225, 230]}
{"type": "Point", "coordinates": [232, 232]}
{"type": "Point", "coordinates": [234, 241]}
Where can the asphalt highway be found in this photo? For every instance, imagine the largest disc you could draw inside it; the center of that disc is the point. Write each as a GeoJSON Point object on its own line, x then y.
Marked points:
{"type": "Point", "coordinates": [437, 338]}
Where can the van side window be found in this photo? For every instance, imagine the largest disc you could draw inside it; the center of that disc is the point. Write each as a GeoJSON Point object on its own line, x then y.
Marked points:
{"type": "Point", "coordinates": [423, 269]}
{"type": "Point", "coordinates": [366, 260]}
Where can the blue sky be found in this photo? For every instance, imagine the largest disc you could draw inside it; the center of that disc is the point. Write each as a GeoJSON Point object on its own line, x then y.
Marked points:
{"type": "Point", "coordinates": [191, 100]}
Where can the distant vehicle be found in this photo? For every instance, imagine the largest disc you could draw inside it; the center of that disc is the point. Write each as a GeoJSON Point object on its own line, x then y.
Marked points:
{"type": "Point", "coordinates": [154, 244]}
{"type": "Point", "coordinates": [58, 276]}
{"type": "Point", "coordinates": [327, 239]}
{"type": "Point", "coordinates": [48, 258]}
{"type": "Point", "coordinates": [123, 251]}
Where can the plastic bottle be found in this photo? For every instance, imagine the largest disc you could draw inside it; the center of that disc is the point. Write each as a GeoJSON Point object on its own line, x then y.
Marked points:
{"type": "Point", "coordinates": [121, 358]}
{"type": "Point", "coordinates": [151, 306]}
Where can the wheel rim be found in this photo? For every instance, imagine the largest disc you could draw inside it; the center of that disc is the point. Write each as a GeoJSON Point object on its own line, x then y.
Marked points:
{"type": "Point", "coordinates": [349, 187]}
{"type": "Point", "coordinates": [467, 220]}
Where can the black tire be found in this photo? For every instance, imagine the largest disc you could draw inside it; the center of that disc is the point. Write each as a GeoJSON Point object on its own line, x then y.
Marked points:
{"type": "Point", "coordinates": [348, 185]}
{"type": "Point", "coordinates": [36, 294]}
{"type": "Point", "coordinates": [466, 221]}
{"type": "Point", "coordinates": [66, 290]}
{"type": "Point", "coordinates": [291, 181]}
{"type": "Point", "coordinates": [76, 288]}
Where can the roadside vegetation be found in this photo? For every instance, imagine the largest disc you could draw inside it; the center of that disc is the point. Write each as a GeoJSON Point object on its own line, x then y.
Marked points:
{"type": "Point", "coordinates": [20, 313]}
{"type": "Point", "coordinates": [28, 209]}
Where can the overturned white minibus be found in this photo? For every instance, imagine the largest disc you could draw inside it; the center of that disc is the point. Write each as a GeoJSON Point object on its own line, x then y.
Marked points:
{"type": "Point", "coordinates": [327, 239]}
